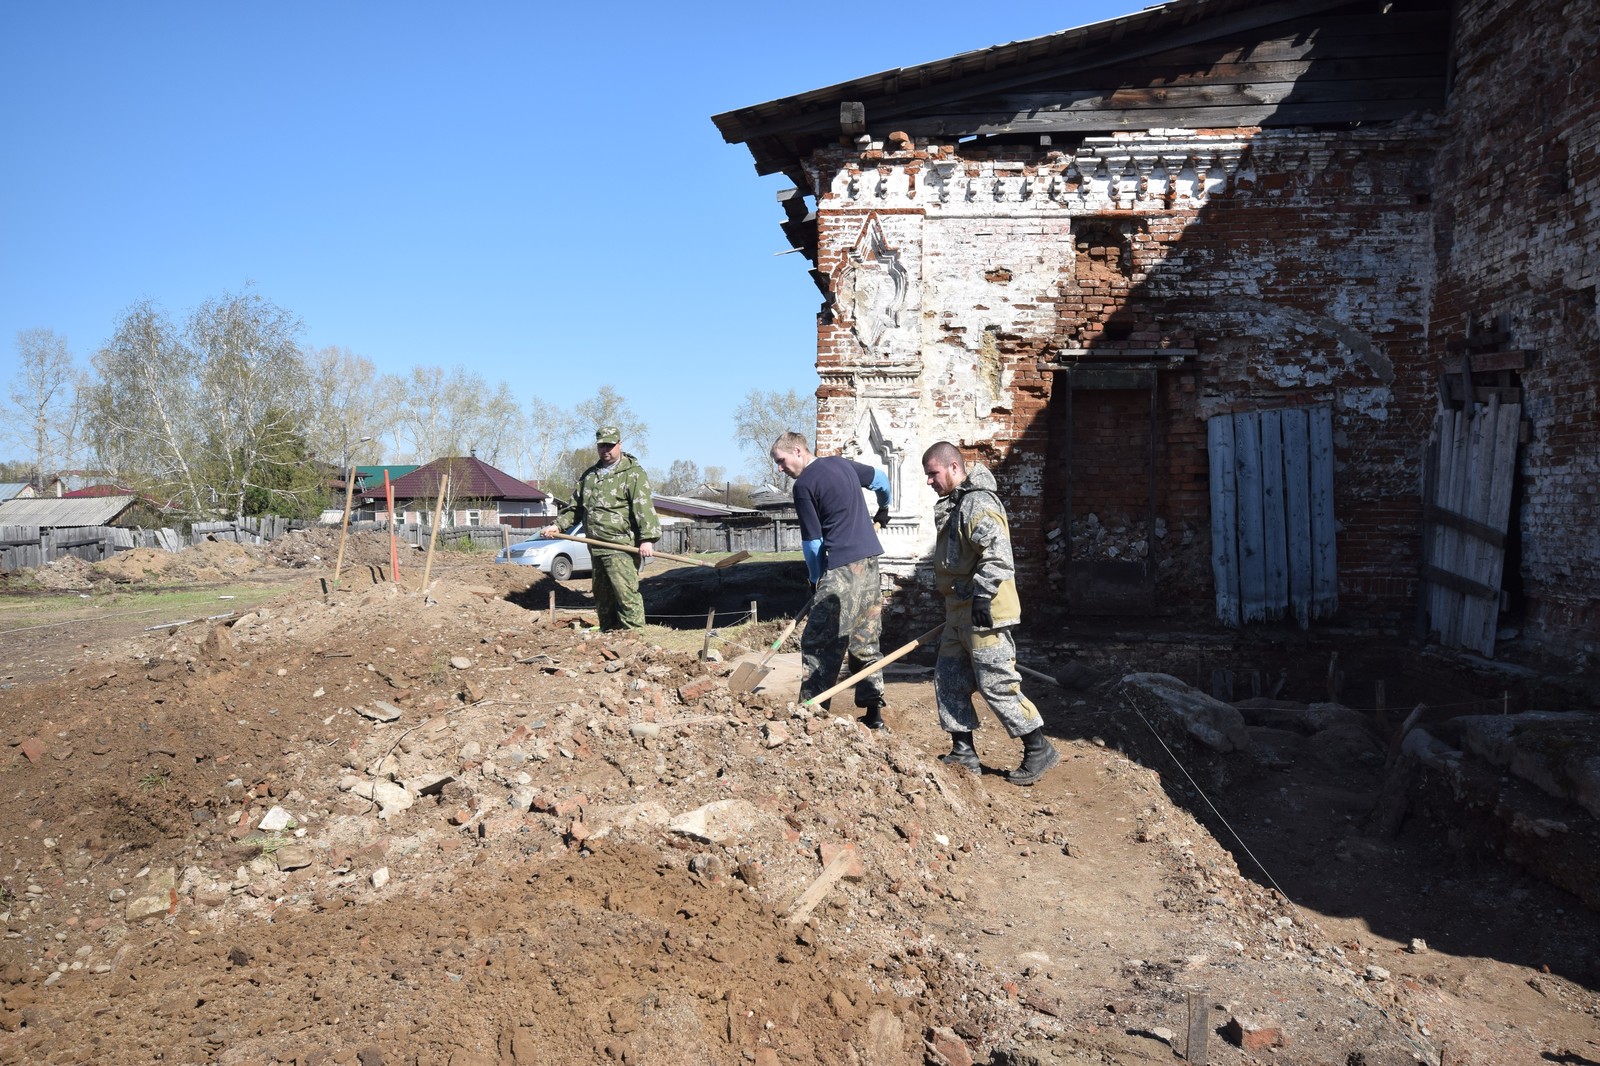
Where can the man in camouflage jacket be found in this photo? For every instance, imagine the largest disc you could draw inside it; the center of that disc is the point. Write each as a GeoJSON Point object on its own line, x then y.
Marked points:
{"type": "Point", "coordinates": [974, 569]}
{"type": "Point", "coordinates": [613, 502]}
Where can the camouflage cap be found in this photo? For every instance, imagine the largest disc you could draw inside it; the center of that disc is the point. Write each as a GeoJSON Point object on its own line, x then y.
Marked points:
{"type": "Point", "coordinates": [607, 435]}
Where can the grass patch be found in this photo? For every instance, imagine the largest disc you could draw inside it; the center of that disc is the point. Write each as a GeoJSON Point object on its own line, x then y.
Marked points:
{"type": "Point", "coordinates": [36, 609]}
{"type": "Point", "coordinates": [154, 780]}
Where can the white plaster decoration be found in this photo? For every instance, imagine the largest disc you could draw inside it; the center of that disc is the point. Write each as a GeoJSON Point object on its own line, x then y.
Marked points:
{"type": "Point", "coordinates": [871, 445]}
{"type": "Point", "coordinates": [870, 287]}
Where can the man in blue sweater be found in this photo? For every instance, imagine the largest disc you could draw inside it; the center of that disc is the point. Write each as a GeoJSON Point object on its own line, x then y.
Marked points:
{"type": "Point", "coordinates": [841, 550]}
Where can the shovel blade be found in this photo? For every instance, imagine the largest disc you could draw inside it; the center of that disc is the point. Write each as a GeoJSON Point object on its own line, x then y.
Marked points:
{"type": "Point", "coordinates": [747, 676]}
{"type": "Point", "coordinates": [732, 560]}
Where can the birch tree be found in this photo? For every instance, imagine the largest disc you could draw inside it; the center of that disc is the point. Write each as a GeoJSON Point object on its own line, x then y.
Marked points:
{"type": "Point", "coordinates": [143, 426]}
{"type": "Point", "coordinates": [763, 417]}
{"type": "Point", "coordinates": [44, 396]}
{"type": "Point", "coordinates": [202, 417]}
{"type": "Point", "coordinates": [346, 405]}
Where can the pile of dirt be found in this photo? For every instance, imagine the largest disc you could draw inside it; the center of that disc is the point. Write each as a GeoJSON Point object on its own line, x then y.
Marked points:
{"type": "Point", "coordinates": [68, 573]}
{"type": "Point", "coordinates": [390, 828]}
{"type": "Point", "coordinates": [319, 547]}
{"type": "Point", "coordinates": [138, 565]}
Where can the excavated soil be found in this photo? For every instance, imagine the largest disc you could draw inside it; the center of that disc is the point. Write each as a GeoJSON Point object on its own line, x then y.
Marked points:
{"type": "Point", "coordinates": [373, 826]}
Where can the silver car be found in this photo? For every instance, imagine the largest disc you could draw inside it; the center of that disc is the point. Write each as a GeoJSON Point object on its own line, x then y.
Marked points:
{"type": "Point", "coordinates": [558, 558]}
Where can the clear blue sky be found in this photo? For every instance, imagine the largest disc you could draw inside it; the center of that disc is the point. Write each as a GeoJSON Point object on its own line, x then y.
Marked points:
{"type": "Point", "coordinates": [532, 191]}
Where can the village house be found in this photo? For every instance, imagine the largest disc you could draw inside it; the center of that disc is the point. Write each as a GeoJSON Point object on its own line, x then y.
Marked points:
{"type": "Point", "coordinates": [477, 495]}
{"type": "Point", "coordinates": [1258, 310]}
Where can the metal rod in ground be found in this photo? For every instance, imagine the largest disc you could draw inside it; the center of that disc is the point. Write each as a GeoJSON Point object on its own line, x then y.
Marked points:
{"type": "Point", "coordinates": [859, 675]}
{"type": "Point", "coordinates": [1194, 1051]}
{"type": "Point", "coordinates": [711, 620]}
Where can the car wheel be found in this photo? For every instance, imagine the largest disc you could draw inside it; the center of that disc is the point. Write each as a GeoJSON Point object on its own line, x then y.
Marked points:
{"type": "Point", "coordinates": [561, 567]}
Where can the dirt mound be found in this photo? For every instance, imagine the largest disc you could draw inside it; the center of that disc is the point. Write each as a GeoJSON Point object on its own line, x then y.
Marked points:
{"type": "Point", "coordinates": [319, 547]}
{"type": "Point", "coordinates": [138, 565]}
{"type": "Point", "coordinates": [381, 827]}
{"type": "Point", "coordinates": [66, 573]}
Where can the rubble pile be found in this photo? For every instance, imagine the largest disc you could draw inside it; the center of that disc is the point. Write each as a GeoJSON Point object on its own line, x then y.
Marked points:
{"type": "Point", "coordinates": [379, 827]}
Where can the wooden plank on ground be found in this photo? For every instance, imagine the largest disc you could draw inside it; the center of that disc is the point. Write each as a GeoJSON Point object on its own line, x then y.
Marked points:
{"type": "Point", "coordinates": [1224, 521]}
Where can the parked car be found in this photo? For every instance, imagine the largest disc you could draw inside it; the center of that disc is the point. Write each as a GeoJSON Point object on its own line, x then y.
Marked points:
{"type": "Point", "coordinates": [558, 558]}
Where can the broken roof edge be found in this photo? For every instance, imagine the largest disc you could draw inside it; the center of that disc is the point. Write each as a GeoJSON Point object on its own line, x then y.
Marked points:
{"type": "Point", "coordinates": [741, 124]}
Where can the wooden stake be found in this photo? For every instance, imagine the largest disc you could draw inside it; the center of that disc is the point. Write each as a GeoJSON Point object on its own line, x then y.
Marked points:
{"type": "Point", "coordinates": [711, 619]}
{"type": "Point", "coordinates": [755, 618]}
{"type": "Point", "coordinates": [552, 606]}
{"type": "Point", "coordinates": [1199, 1028]}
{"type": "Point", "coordinates": [831, 875]}
{"type": "Point", "coordinates": [344, 524]}
{"type": "Point", "coordinates": [433, 534]}
{"type": "Point", "coordinates": [394, 549]}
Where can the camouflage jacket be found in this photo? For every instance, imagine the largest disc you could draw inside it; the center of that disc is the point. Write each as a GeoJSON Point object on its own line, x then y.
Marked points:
{"type": "Point", "coordinates": [972, 554]}
{"type": "Point", "coordinates": [613, 503]}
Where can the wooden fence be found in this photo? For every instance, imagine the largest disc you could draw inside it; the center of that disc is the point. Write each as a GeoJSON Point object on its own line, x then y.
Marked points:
{"type": "Point", "coordinates": [23, 547]}
{"type": "Point", "coordinates": [682, 538]}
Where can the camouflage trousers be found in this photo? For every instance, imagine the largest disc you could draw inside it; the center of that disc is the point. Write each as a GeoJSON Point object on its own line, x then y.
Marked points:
{"type": "Point", "coordinates": [845, 623]}
{"type": "Point", "coordinates": [982, 661]}
{"type": "Point", "coordinates": [616, 590]}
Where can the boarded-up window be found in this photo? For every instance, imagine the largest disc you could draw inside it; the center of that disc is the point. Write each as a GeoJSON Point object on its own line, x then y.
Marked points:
{"type": "Point", "coordinates": [1272, 527]}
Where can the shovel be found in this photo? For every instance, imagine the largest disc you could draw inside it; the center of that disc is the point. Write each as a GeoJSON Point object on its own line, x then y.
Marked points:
{"type": "Point", "coordinates": [819, 698]}
{"type": "Point", "coordinates": [747, 675]}
{"type": "Point", "coordinates": [737, 557]}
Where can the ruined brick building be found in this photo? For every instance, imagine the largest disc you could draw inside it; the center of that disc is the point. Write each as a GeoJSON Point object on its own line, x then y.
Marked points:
{"type": "Point", "coordinates": [1240, 300]}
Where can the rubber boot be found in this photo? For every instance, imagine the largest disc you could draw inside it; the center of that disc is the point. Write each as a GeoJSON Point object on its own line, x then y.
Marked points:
{"type": "Point", "coordinates": [1038, 755]}
{"type": "Point", "coordinates": [873, 719]}
{"type": "Point", "coordinates": [962, 753]}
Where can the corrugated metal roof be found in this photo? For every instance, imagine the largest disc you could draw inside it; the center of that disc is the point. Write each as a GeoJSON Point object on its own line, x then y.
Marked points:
{"type": "Point", "coordinates": [686, 505]}
{"type": "Point", "coordinates": [10, 490]}
{"type": "Point", "coordinates": [61, 513]}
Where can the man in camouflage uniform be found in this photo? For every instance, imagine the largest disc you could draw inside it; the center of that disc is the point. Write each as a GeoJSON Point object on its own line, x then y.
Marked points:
{"type": "Point", "coordinates": [614, 504]}
{"type": "Point", "coordinates": [841, 552]}
{"type": "Point", "coordinates": [973, 565]}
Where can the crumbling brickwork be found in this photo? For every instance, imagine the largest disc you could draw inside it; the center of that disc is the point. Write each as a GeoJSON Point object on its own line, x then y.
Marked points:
{"type": "Point", "coordinates": [1518, 238]}
{"type": "Point", "coordinates": [1255, 269]}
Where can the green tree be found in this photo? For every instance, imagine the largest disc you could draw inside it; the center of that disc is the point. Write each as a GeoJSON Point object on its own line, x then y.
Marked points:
{"type": "Point", "coordinates": [201, 416]}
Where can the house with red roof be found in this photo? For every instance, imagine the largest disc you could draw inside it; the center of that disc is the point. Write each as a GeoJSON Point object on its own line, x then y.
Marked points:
{"type": "Point", "coordinates": [477, 495]}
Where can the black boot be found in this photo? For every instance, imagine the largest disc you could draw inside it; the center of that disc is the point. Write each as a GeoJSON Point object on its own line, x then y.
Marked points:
{"type": "Point", "coordinates": [1038, 755]}
{"type": "Point", "coordinates": [873, 719]}
{"type": "Point", "coordinates": [962, 753]}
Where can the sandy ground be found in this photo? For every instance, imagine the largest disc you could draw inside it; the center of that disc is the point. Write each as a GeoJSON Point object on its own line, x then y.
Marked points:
{"type": "Point", "coordinates": [377, 827]}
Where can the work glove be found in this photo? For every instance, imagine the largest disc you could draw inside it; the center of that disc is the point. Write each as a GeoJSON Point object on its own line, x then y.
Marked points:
{"type": "Point", "coordinates": [981, 616]}
{"type": "Point", "coordinates": [882, 518]}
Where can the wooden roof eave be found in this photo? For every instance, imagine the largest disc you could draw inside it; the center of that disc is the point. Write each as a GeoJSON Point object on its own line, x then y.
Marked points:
{"type": "Point", "coordinates": [994, 69]}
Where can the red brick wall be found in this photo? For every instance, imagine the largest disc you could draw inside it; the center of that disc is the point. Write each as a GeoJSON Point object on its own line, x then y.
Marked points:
{"type": "Point", "coordinates": [1518, 238]}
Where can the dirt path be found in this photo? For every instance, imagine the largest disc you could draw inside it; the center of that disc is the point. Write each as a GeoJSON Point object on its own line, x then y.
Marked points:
{"type": "Point", "coordinates": [571, 847]}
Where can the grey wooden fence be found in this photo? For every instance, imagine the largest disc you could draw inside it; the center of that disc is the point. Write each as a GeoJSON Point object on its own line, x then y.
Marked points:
{"type": "Point", "coordinates": [683, 538]}
{"type": "Point", "coordinates": [30, 546]}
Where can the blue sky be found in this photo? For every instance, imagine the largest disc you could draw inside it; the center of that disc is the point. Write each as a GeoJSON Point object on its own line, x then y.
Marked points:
{"type": "Point", "coordinates": [534, 192]}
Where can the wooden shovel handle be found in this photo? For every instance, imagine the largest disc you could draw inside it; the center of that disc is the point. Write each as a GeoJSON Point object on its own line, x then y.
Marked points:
{"type": "Point", "coordinates": [817, 700]}
{"type": "Point", "coordinates": [631, 548]}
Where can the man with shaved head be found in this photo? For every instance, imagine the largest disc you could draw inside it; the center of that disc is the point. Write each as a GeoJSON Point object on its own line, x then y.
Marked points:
{"type": "Point", "coordinates": [972, 562]}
